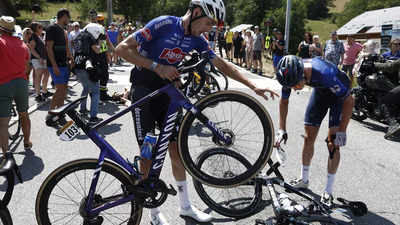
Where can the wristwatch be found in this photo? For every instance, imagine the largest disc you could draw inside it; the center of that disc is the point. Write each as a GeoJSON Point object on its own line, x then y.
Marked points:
{"type": "Point", "coordinates": [153, 66]}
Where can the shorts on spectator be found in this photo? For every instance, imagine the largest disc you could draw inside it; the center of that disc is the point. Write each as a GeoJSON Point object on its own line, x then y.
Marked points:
{"type": "Point", "coordinates": [211, 44]}
{"type": "Point", "coordinates": [36, 64]}
{"type": "Point", "coordinates": [257, 55]}
{"type": "Point", "coordinates": [275, 59]}
{"type": "Point", "coordinates": [15, 90]}
{"type": "Point", "coordinates": [228, 46]}
{"type": "Point", "coordinates": [62, 78]}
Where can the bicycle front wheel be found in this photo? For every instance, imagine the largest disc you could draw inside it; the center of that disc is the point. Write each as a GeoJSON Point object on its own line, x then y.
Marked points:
{"type": "Point", "coordinates": [61, 198]}
{"type": "Point", "coordinates": [238, 116]}
{"type": "Point", "coordinates": [237, 202]}
{"type": "Point", "coordinates": [14, 129]}
{"type": "Point", "coordinates": [6, 183]}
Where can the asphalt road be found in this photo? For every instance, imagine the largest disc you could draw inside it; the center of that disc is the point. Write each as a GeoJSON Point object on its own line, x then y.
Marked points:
{"type": "Point", "coordinates": [369, 169]}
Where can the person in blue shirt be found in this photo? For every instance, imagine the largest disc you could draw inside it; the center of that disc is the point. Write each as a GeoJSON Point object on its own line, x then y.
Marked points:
{"type": "Point", "coordinates": [113, 35]}
{"type": "Point", "coordinates": [156, 50]}
{"type": "Point", "coordinates": [331, 91]}
{"type": "Point", "coordinates": [394, 52]}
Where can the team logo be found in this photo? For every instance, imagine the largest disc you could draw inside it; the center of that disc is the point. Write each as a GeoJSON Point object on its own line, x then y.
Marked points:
{"type": "Point", "coordinates": [172, 55]}
{"type": "Point", "coordinates": [146, 33]}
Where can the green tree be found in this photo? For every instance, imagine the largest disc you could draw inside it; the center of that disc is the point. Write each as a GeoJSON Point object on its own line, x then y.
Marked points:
{"type": "Point", "coordinates": [297, 25]}
{"type": "Point", "coordinates": [317, 9]}
{"type": "Point", "coordinates": [251, 11]}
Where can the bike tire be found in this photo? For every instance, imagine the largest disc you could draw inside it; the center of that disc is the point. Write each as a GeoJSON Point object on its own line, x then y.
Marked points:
{"type": "Point", "coordinates": [222, 201]}
{"type": "Point", "coordinates": [211, 87]}
{"type": "Point", "coordinates": [53, 180]}
{"type": "Point", "coordinates": [5, 216]}
{"type": "Point", "coordinates": [254, 111]}
{"type": "Point", "coordinates": [224, 84]}
{"type": "Point", "coordinates": [7, 184]}
{"type": "Point", "coordinates": [14, 130]}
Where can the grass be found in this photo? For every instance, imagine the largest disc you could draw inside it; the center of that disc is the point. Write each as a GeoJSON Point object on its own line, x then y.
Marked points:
{"type": "Point", "coordinates": [321, 27]}
{"type": "Point", "coordinates": [339, 5]}
{"type": "Point", "coordinates": [50, 11]}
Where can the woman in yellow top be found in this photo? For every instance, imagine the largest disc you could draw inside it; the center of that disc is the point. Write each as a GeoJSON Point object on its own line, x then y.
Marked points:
{"type": "Point", "coordinates": [229, 41]}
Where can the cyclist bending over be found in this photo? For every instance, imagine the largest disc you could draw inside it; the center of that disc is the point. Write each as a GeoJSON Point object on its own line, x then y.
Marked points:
{"type": "Point", "coordinates": [156, 50]}
{"type": "Point", "coordinates": [331, 91]}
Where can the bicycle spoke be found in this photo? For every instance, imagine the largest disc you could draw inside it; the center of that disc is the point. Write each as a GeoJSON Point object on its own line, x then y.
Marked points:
{"type": "Point", "coordinates": [68, 197]}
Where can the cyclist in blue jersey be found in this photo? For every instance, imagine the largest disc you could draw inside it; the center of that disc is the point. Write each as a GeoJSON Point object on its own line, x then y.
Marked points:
{"type": "Point", "coordinates": [331, 91]}
{"type": "Point", "coordinates": [156, 50]}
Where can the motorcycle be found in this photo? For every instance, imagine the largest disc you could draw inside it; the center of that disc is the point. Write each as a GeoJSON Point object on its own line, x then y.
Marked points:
{"type": "Point", "coordinates": [374, 83]}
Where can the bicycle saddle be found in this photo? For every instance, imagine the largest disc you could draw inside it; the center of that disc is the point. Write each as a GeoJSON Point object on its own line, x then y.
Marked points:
{"type": "Point", "coordinates": [7, 163]}
{"type": "Point", "coordinates": [65, 108]}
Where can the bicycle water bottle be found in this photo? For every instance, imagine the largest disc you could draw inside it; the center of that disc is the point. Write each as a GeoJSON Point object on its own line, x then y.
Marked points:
{"type": "Point", "coordinates": [148, 144]}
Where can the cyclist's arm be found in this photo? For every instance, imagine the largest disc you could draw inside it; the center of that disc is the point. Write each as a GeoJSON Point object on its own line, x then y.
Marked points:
{"type": "Point", "coordinates": [232, 72]}
{"type": "Point", "coordinates": [32, 45]}
{"type": "Point", "coordinates": [283, 111]}
{"type": "Point", "coordinates": [127, 49]}
{"type": "Point", "coordinates": [347, 109]}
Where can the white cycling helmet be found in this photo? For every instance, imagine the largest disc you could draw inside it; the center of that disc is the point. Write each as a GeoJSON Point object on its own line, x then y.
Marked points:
{"type": "Point", "coordinates": [214, 9]}
{"type": "Point", "coordinates": [95, 29]}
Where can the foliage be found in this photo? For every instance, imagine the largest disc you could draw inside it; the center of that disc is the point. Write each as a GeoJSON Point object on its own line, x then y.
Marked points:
{"type": "Point", "coordinates": [321, 27]}
{"type": "Point", "coordinates": [317, 9]}
{"type": "Point", "coordinates": [27, 4]}
{"type": "Point", "coordinates": [297, 21]}
{"type": "Point", "coordinates": [251, 11]}
{"type": "Point", "coordinates": [354, 8]}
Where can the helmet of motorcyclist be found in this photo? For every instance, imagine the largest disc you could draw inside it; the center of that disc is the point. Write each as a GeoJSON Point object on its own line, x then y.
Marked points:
{"type": "Point", "coordinates": [371, 47]}
{"type": "Point", "coordinates": [92, 14]}
{"type": "Point", "coordinates": [96, 30]}
{"type": "Point", "coordinates": [214, 9]}
{"type": "Point", "coordinates": [290, 70]}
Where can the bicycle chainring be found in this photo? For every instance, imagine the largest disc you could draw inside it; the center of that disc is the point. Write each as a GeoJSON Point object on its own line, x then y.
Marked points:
{"type": "Point", "coordinates": [157, 192]}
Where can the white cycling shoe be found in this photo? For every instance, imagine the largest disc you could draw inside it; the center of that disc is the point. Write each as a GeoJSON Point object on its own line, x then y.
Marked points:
{"type": "Point", "coordinates": [196, 214]}
{"type": "Point", "coordinates": [158, 219]}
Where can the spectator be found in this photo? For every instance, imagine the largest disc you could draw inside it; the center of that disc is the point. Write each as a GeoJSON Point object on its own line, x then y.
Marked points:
{"type": "Point", "coordinates": [86, 61]}
{"type": "Point", "coordinates": [316, 48]}
{"type": "Point", "coordinates": [113, 35]}
{"type": "Point", "coordinates": [73, 34]}
{"type": "Point", "coordinates": [278, 49]}
{"type": "Point", "coordinates": [221, 41]}
{"type": "Point", "coordinates": [212, 37]}
{"type": "Point", "coordinates": [14, 59]}
{"type": "Point", "coordinates": [58, 56]}
{"type": "Point", "coordinates": [394, 52]}
{"type": "Point", "coordinates": [39, 63]}
{"type": "Point", "coordinates": [304, 46]}
{"type": "Point", "coordinates": [334, 50]}
{"type": "Point", "coordinates": [229, 42]}
{"type": "Point", "coordinates": [258, 47]}
{"type": "Point", "coordinates": [351, 51]}
{"type": "Point", "coordinates": [237, 45]}
{"type": "Point", "coordinates": [26, 36]}
{"type": "Point", "coordinates": [249, 49]}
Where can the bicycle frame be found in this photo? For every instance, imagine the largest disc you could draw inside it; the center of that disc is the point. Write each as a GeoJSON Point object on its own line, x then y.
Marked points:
{"type": "Point", "coordinates": [159, 152]}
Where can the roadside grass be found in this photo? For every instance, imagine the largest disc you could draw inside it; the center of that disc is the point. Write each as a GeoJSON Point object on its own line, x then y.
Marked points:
{"type": "Point", "coordinates": [50, 11]}
{"type": "Point", "coordinates": [339, 6]}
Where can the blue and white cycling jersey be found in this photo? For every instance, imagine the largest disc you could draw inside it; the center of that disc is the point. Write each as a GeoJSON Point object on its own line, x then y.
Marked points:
{"type": "Point", "coordinates": [163, 40]}
{"type": "Point", "coordinates": [325, 75]}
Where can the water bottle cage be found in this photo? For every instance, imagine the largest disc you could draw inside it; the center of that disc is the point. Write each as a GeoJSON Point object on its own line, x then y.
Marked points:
{"type": "Point", "coordinates": [331, 146]}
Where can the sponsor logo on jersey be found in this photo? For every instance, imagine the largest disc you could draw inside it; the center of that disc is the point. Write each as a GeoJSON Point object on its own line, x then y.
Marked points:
{"type": "Point", "coordinates": [146, 33]}
{"type": "Point", "coordinates": [172, 55]}
{"type": "Point", "coordinates": [162, 23]}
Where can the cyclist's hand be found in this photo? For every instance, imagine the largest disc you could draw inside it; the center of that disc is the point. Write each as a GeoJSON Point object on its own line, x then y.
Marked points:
{"type": "Point", "coordinates": [167, 72]}
{"type": "Point", "coordinates": [281, 136]}
{"type": "Point", "coordinates": [261, 92]}
{"type": "Point", "coordinates": [56, 71]}
{"type": "Point", "coordinates": [340, 139]}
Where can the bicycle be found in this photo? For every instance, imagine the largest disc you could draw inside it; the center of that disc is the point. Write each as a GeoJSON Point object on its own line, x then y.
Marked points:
{"type": "Point", "coordinates": [5, 217]}
{"type": "Point", "coordinates": [7, 169]}
{"type": "Point", "coordinates": [14, 127]}
{"type": "Point", "coordinates": [245, 200]}
{"type": "Point", "coordinates": [90, 201]}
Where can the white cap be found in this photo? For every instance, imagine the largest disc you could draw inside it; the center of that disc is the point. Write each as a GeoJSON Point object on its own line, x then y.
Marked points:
{"type": "Point", "coordinates": [315, 36]}
{"type": "Point", "coordinates": [76, 24]}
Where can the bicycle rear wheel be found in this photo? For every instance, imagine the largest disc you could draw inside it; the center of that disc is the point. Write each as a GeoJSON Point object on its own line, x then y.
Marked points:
{"type": "Point", "coordinates": [221, 78]}
{"type": "Point", "coordinates": [61, 196]}
{"type": "Point", "coordinates": [237, 202]}
{"type": "Point", "coordinates": [238, 116]}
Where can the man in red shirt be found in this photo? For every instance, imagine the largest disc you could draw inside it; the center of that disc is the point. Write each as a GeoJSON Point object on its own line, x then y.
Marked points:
{"type": "Point", "coordinates": [14, 58]}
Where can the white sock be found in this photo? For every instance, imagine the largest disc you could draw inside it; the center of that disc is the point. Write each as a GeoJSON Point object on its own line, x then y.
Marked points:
{"type": "Point", "coordinates": [305, 173]}
{"type": "Point", "coordinates": [329, 183]}
{"type": "Point", "coordinates": [183, 194]}
{"type": "Point", "coordinates": [154, 211]}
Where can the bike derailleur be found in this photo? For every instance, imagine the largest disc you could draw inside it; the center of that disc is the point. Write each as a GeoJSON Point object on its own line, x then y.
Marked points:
{"type": "Point", "coordinates": [153, 192]}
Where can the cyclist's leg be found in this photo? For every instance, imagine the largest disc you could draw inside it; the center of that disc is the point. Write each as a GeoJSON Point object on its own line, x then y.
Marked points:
{"type": "Point", "coordinates": [21, 100]}
{"type": "Point", "coordinates": [314, 115]}
{"type": "Point", "coordinates": [144, 122]}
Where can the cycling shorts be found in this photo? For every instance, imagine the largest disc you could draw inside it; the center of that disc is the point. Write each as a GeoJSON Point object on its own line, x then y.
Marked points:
{"type": "Point", "coordinates": [150, 113]}
{"type": "Point", "coordinates": [320, 101]}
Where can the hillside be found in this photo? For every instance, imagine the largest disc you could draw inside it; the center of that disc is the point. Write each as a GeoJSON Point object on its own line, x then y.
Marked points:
{"type": "Point", "coordinates": [339, 5]}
